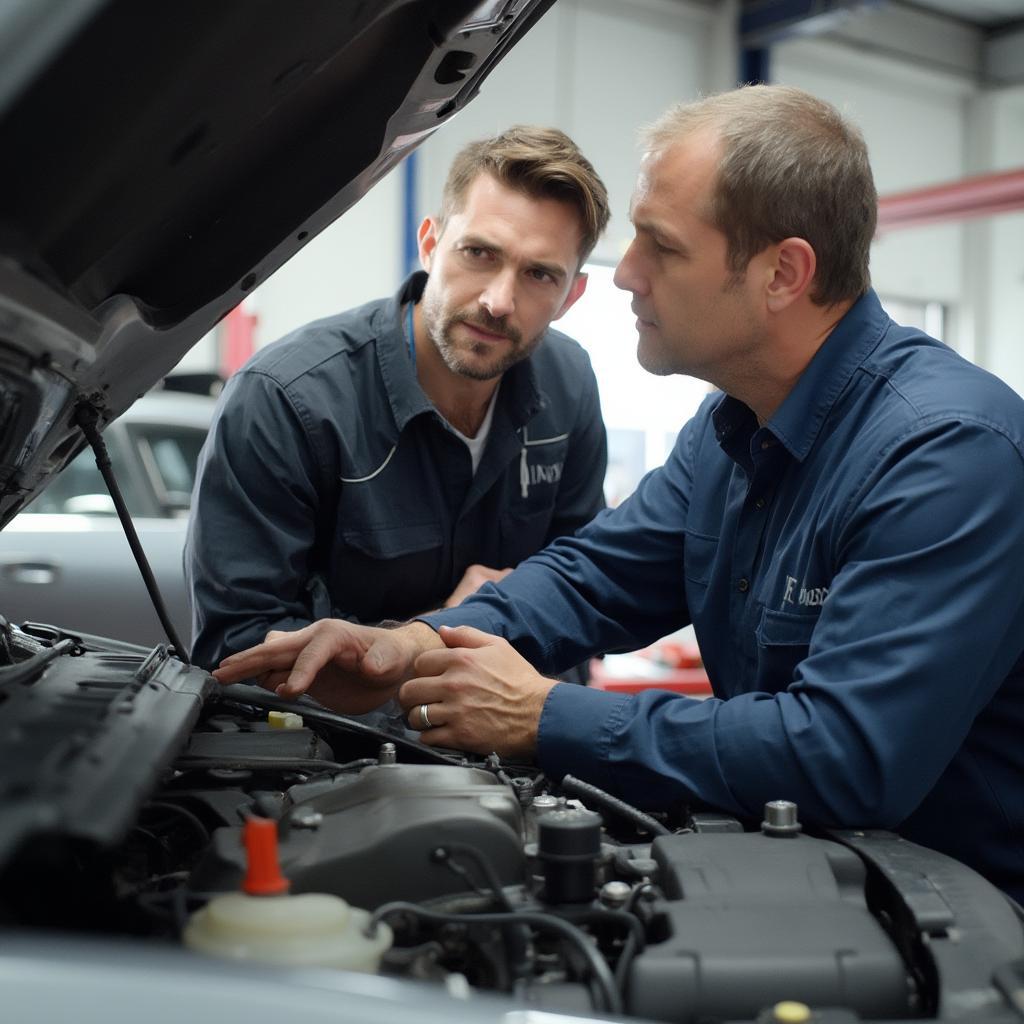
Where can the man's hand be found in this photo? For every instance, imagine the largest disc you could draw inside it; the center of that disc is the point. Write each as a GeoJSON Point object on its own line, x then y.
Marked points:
{"type": "Point", "coordinates": [472, 580]}
{"type": "Point", "coordinates": [480, 695]}
{"type": "Point", "coordinates": [348, 667]}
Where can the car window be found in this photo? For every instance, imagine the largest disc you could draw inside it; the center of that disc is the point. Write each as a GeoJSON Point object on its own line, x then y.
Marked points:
{"type": "Point", "coordinates": [169, 455]}
{"type": "Point", "coordinates": [79, 488]}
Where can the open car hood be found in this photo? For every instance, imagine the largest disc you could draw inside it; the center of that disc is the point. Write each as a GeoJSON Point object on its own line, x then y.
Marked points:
{"type": "Point", "coordinates": [161, 160]}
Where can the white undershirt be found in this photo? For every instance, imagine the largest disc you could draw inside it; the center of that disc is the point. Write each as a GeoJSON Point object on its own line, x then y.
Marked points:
{"type": "Point", "coordinates": [476, 444]}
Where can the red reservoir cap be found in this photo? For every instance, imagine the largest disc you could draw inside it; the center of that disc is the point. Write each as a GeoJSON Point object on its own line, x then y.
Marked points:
{"type": "Point", "coordinates": [263, 875]}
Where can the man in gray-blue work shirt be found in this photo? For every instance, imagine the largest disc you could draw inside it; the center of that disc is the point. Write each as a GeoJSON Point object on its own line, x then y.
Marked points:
{"type": "Point", "coordinates": [389, 460]}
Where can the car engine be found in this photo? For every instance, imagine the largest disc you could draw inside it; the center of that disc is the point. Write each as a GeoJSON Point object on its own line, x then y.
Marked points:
{"type": "Point", "coordinates": [128, 779]}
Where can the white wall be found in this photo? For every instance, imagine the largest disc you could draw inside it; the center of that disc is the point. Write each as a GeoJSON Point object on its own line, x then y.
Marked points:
{"type": "Point", "coordinates": [995, 245]}
{"type": "Point", "coordinates": [913, 122]}
{"type": "Point", "coordinates": [599, 68]}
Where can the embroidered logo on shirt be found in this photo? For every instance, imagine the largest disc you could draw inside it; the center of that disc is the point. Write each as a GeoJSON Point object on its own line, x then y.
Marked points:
{"type": "Point", "coordinates": [810, 597]}
{"type": "Point", "coordinates": [546, 474]}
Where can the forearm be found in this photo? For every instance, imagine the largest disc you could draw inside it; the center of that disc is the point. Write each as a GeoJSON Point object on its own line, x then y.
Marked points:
{"type": "Point", "coordinates": [579, 596]}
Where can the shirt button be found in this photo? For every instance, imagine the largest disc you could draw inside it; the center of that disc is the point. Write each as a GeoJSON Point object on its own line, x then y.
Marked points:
{"type": "Point", "coordinates": [760, 503]}
{"type": "Point", "coordinates": [766, 444]}
{"type": "Point", "coordinates": [744, 585]}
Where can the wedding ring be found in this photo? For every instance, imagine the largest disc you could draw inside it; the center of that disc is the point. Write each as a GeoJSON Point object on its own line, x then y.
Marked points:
{"type": "Point", "coordinates": [425, 717]}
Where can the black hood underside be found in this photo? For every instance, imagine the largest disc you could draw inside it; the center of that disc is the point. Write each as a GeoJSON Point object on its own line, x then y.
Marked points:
{"type": "Point", "coordinates": [162, 159]}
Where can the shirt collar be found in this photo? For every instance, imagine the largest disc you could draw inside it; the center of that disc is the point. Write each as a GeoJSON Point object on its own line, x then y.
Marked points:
{"type": "Point", "coordinates": [518, 396]}
{"type": "Point", "coordinates": [798, 421]}
{"type": "Point", "coordinates": [404, 393]}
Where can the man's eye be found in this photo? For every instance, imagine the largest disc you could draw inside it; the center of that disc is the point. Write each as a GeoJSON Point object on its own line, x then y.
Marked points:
{"type": "Point", "coordinates": [543, 276]}
{"type": "Point", "coordinates": [476, 252]}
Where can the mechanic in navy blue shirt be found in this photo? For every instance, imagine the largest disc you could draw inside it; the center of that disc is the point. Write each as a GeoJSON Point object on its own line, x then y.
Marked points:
{"type": "Point", "coordinates": [389, 460]}
{"type": "Point", "coordinates": [843, 525]}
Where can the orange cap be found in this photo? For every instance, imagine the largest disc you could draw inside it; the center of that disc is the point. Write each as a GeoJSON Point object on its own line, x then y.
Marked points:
{"type": "Point", "coordinates": [263, 876]}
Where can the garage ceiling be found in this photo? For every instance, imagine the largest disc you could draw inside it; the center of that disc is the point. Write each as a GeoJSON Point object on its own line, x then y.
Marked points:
{"type": "Point", "coordinates": [988, 14]}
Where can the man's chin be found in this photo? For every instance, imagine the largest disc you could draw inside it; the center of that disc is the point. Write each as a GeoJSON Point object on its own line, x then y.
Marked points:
{"type": "Point", "coordinates": [655, 363]}
{"type": "Point", "coordinates": [478, 362]}
{"type": "Point", "coordinates": [479, 370]}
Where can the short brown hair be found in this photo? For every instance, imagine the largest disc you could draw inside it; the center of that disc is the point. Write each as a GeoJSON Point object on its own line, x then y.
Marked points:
{"type": "Point", "coordinates": [791, 166]}
{"type": "Point", "coordinates": [543, 163]}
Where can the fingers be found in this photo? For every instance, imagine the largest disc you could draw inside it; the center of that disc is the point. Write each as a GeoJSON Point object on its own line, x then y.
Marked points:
{"type": "Point", "coordinates": [272, 655]}
{"type": "Point", "coordinates": [387, 657]}
{"type": "Point", "coordinates": [315, 655]}
{"type": "Point", "coordinates": [273, 680]}
{"type": "Point", "coordinates": [426, 716]}
{"type": "Point", "coordinates": [450, 738]}
{"type": "Point", "coordinates": [421, 691]}
{"type": "Point", "coordinates": [467, 636]}
{"type": "Point", "coordinates": [458, 642]}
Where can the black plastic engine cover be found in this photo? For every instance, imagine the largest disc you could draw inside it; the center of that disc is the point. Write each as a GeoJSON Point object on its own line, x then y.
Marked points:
{"type": "Point", "coordinates": [258, 744]}
{"type": "Point", "coordinates": [374, 841]}
{"type": "Point", "coordinates": [752, 920]}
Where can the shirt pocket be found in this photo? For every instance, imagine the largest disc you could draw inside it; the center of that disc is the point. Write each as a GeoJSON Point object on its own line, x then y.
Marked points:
{"type": "Point", "coordinates": [389, 571]}
{"type": "Point", "coordinates": [523, 533]}
{"type": "Point", "coordinates": [783, 641]}
{"type": "Point", "coordinates": [387, 542]}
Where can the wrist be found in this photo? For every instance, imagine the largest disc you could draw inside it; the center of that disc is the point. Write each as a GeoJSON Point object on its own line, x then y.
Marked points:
{"type": "Point", "coordinates": [421, 635]}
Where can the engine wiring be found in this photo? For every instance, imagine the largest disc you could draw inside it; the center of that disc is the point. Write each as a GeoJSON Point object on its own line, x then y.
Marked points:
{"type": "Point", "coordinates": [27, 670]}
{"type": "Point", "coordinates": [447, 855]}
{"type": "Point", "coordinates": [243, 697]}
{"type": "Point", "coordinates": [599, 970]}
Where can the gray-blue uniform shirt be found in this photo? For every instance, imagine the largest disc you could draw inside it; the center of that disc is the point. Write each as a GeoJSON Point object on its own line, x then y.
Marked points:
{"type": "Point", "coordinates": [329, 484]}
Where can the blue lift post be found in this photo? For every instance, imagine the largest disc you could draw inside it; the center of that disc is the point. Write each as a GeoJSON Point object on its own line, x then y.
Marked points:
{"type": "Point", "coordinates": [763, 23]}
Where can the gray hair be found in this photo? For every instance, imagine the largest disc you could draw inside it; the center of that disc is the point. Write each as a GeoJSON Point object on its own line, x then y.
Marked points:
{"type": "Point", "coordinates": [791, 166]}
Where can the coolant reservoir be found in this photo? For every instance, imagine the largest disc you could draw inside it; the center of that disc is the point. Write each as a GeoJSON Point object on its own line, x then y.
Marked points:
{"type": "Point", "coordinates": [266, 924]}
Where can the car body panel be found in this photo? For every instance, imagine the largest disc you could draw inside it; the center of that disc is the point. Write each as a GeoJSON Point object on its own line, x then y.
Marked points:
{"type": "Point", "coordinates": [66, 560]}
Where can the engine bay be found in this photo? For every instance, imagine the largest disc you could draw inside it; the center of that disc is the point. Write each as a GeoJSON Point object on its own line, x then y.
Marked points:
{"type": "Point", "coordinates": [128, 781]}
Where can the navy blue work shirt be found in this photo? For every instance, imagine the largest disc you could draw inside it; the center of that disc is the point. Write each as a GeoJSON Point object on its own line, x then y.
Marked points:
{"type": "Point", "coordinates": [330, 487]}
{"type": "Point", "coordinates": [854, 570]}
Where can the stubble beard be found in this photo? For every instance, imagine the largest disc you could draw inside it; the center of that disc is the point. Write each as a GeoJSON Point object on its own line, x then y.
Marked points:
{"type": "Point", "coordinates": [440, 324]}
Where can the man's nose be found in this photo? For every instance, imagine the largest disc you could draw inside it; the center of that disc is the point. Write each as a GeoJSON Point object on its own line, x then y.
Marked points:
{"type": "Point", "coordinates": [627, 274]}
{"type": "Point", "coordinates": [499, 297]}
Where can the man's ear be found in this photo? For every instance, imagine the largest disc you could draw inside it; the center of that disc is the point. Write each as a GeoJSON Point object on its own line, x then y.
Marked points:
{"type": "Point", "coordinates": [576, 289]}
{"type": "Point", "coordinates": [792, 272]}
{"type": "Point", "coordinates": [426, 239]}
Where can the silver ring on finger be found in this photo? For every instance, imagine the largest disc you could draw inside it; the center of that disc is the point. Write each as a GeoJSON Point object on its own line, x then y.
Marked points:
{"type": "Point", "coordinates": [425, 717]}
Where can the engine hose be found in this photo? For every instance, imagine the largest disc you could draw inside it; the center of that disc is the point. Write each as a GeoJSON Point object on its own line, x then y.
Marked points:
{"type": "Point", "coordinates": [599, 970]}
{"type": "Point", "coordinates": [612, 803]}
{"type": "Point", "coordinates": [26, 671]}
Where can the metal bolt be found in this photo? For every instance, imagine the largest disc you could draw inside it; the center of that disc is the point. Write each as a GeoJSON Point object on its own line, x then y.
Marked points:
{"type": "Point", "coordinates": [387, 754]}
{"type": "Point", "coordinates": [615, 894]}
{"type": "Point", "coordinates": [780, 818]}
{"type": "Point", "coordinates": [545, 802]}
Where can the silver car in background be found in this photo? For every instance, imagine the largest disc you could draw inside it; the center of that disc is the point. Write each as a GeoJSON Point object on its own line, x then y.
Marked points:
{"type": "Point", "coordinates": [65, 559]}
